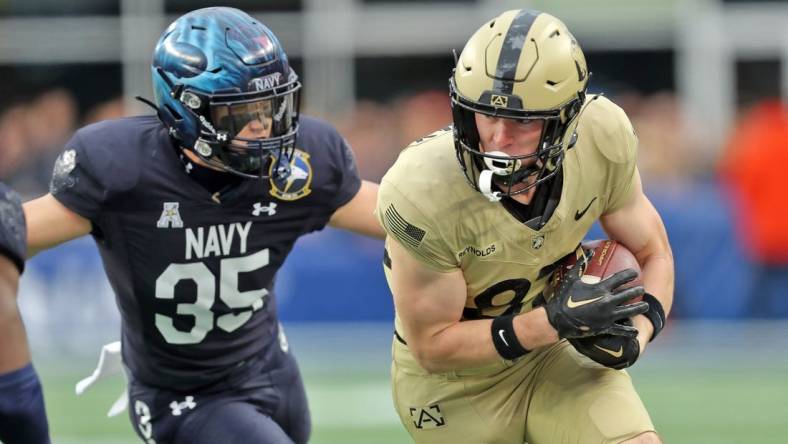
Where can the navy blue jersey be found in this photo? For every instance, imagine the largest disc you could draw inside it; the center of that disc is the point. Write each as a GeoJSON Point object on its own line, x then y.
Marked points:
{"type": "Point", "coordinates": [13, 235]}
{"type": "Point", "coordinates": [193, 272]}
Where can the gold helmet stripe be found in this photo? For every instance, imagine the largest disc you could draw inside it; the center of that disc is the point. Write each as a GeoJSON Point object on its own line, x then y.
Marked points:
{"type": "Point", "coordinates": [511, 49]}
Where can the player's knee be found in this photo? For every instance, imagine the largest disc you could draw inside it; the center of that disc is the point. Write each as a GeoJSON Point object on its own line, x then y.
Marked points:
{"type": "Point", "coordinates": [644, 438]}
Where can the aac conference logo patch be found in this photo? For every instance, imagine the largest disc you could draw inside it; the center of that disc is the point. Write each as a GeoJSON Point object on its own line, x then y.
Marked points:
{"type": "Point", "coordinates": [296, 185]}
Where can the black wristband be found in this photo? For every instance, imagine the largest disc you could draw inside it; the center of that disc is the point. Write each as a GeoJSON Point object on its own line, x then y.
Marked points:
{"type": "Point", "coordinates": [655, 314]}
{"type": "Point", "coordinates": [504, 339]}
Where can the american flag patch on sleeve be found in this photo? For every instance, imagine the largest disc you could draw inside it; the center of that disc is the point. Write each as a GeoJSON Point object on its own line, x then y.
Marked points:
{"type": "Point", "coordinates": [405, 231]}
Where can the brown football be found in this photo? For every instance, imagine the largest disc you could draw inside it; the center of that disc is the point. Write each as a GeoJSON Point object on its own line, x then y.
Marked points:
{"type": "Point", "coordinates": [608, 257]}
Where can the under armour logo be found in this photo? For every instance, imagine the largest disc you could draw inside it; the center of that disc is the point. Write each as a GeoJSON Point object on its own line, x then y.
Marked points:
{"type": "Point", "coordinates": [269, 209]}
{"type": "Point", "coordinates": [221, 136]}
{"type": "Point", "coordinates": [179, 407]}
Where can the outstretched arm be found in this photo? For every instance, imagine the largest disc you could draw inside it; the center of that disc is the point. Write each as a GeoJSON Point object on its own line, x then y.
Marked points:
{"type": "Point", "coordinates": [639, 227]}
{"type": "Point", "coordinates": [50, 223]}
{"type": "Point", "coordinates": [358, 214]}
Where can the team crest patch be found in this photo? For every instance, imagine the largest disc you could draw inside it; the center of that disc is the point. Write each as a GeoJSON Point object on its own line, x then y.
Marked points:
{"type": "Point", "coordinates": [170, 216]}
{"type": "Point", "coordinates": [429, 417]}
{"type": "Point", "coordinates": [296, 185]}
{"type": "Point", "coordinates": [537, 241]}
{"type": "Point", "coordinates": [61, 176]}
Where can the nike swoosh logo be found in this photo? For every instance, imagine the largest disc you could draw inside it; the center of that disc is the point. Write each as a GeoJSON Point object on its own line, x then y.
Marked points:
{"type": "Point", "coordinates": [500, 333]}
{"type": "Point", "coordinates": [615, 354]}
{"type": "Point", "coordinates": [571, 303]}
{"type": "Point", "coordinates": [579, 214]}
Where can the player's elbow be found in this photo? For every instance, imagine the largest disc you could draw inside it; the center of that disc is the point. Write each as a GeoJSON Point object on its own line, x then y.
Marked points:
{"type": "Point", "coordinates": [430, 358]}
{"type": "Point", "coordinates": [429, 365]}
{"type": "Point", "coordinates": [9, 313]}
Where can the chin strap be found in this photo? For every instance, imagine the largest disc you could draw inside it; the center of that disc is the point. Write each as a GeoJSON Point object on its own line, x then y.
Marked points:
{"type": "Point", "coordinates": [150, 104]}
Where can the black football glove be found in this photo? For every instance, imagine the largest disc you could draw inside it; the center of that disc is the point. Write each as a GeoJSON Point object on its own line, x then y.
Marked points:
{"type": "Point", "coordinates": [579, 310]}
{"type": "Point", "coordinates": [611, 351]}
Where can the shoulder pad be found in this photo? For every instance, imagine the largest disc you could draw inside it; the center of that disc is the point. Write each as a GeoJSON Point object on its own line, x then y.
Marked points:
{"type": "Point", "coordinates": [610, 129]}
{"type": "Point", "coordinates": [112, 151]}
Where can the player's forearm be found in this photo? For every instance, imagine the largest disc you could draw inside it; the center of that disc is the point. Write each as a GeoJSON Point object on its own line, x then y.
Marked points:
{"type": "Point", "coordinates": [464, 344]}
{"type": "Point", "coordinates": [534, 330]}
{"type": "Point", "coordinates": [469, 344]}
{"type": "Point", "coordinates": [658, 277]}
{"type": "Point", "coordinates": [658, 280]}
{"type": "Point", "coordinates": [358, 214]}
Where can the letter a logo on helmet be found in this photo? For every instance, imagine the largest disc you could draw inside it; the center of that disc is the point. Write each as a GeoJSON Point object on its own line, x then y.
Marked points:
{"type": "Point", "coordinates": [523, 65]}
{"type": "Point", "coordinates": [501, 101]}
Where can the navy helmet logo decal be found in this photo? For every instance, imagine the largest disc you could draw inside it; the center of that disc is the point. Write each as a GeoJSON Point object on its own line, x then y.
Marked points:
{"type": "Point", "coordinates": [265, 83]}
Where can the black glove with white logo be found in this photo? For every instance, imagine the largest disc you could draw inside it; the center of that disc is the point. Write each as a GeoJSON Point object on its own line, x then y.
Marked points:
{"type": "Point", "coordinates": [578, 309]}
{"type": "Point", "coordinates": [611, 351]}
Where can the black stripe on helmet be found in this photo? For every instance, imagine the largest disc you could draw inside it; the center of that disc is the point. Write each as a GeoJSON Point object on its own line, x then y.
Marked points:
{"type": "Point", "coordinates": [512, 46]}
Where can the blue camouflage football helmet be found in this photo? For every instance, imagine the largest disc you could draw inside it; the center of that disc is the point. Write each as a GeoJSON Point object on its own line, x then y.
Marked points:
{"type": "Point", "coordinates": [215, 72]}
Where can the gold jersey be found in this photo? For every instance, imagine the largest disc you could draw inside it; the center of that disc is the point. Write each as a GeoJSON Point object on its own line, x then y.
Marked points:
{"type": "Point", "coordinates": [426, 204]}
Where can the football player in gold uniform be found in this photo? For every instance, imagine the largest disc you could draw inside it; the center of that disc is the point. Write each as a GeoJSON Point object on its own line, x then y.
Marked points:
{"type": "Point", "coordinates": [480, 354]}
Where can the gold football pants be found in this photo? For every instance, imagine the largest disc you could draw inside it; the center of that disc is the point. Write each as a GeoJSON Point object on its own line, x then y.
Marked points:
{"type": "Point", "coordinates": [552, 395]}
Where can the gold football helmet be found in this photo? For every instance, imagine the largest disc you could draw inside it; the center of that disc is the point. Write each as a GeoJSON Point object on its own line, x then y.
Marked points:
{"type": "Point", "coordinates": [522, 65]}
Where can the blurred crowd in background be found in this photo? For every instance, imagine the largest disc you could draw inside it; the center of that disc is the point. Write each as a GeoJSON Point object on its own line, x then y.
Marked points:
{"type": "Point", "coordinates": [723, 204]}
{"type": "Point", "coordinates": [35, 126]}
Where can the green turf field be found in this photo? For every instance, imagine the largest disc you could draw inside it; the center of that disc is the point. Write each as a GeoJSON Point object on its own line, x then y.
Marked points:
{"type": "Point", "coordinates": [702, 383]}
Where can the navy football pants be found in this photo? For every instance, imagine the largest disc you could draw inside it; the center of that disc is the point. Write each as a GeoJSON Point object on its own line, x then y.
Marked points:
{"type": "Point", "coordinates": [269, 407]}
{"type": "Point", "coordinates": [22, 416]}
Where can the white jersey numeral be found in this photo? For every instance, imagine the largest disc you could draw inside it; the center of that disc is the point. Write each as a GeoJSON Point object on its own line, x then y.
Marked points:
{"type": "Point", "coordinates": [144, 425]}
{"type": "Point", "coordinates": [200, 309]}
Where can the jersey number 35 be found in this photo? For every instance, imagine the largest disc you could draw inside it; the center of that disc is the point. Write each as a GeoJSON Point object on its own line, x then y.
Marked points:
{"type": "Point", "coordinates": [205, 281]}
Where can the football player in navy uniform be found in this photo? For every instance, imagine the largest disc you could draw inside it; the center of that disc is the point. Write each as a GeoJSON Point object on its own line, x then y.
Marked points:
{"type": "Point", "coordinates": [22, 416]}
{"type": "Point", "coordinates": [193, 212]}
